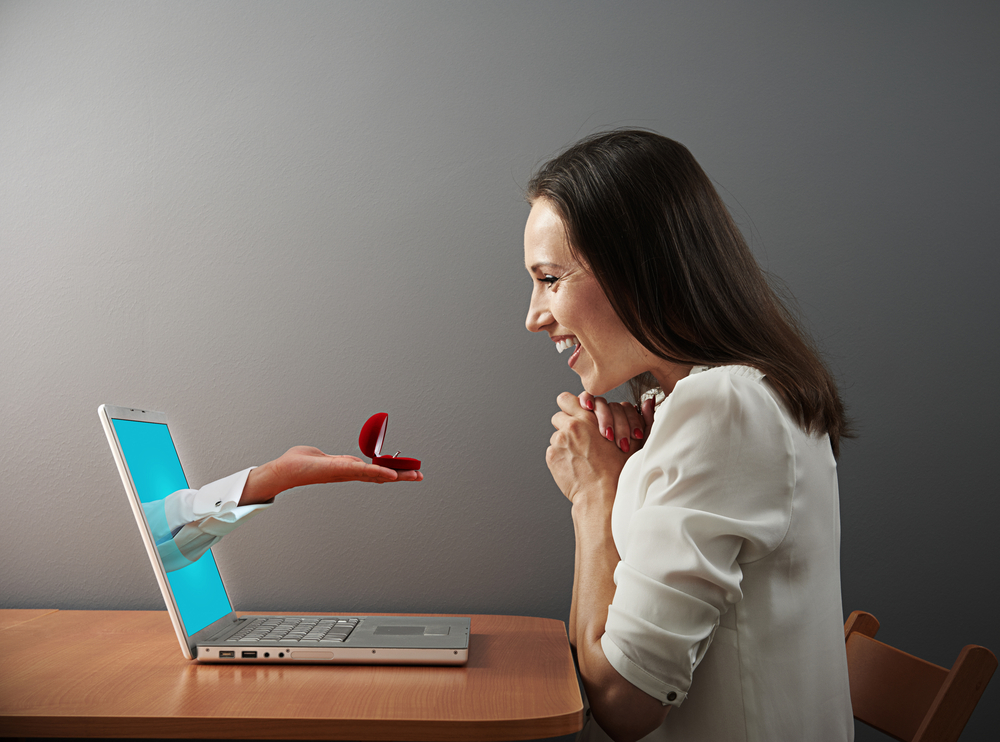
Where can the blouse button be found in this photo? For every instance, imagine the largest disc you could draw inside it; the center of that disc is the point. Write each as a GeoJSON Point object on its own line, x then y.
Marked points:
{"type": "Point", "coordinates": [671, 696]}
{"type": "Point", "coordinates": [218, 503]}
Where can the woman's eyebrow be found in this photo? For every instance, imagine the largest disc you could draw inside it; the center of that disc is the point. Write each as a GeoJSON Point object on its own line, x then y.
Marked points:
{"type": "Point", "coordinates": [536, 266]}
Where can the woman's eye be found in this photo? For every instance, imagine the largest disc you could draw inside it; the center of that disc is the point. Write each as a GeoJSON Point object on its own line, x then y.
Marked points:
{"type": "Point", "coordinates": [548, 279]}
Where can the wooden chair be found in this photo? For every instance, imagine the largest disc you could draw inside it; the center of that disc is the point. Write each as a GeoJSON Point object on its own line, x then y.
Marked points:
{"type": "Point", "coordinates": [906, 697]}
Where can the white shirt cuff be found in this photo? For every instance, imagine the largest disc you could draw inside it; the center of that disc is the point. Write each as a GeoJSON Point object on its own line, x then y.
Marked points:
{"type": "Point", "coordinates": [219, 498]}
{"type": "Point", "coordinates": [665, 693]}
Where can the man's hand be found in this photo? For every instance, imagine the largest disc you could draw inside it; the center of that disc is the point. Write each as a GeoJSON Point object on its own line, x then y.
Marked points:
{"type": "Point", "coordinates": [302, 465]}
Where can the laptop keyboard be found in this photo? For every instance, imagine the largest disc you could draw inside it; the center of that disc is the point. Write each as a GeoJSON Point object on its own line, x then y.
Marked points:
{"type": "Point", "coordinates": [295, 631]}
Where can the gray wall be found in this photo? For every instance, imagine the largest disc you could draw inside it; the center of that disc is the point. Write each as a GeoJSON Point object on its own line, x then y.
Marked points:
{"type": "Point", "coordinates": [271, 220]}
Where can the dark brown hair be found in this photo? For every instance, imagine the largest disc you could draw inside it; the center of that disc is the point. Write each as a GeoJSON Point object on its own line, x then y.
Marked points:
{"type": "Point", "coordinates": [643, 216]}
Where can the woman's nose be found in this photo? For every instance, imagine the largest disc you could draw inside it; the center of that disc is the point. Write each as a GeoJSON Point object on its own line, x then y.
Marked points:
{"type": "Point", "coordinates": [538, 316]}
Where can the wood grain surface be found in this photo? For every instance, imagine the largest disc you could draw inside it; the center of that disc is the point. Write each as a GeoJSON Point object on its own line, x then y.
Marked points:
{"type": "Point", "coordinates": [14, 616]}
{"type": "Point", "coordinates": [121, 674]}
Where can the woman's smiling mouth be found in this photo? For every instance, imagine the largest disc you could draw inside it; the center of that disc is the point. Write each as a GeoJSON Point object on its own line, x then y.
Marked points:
{"type": "Point", "coordinates": [564, 343]}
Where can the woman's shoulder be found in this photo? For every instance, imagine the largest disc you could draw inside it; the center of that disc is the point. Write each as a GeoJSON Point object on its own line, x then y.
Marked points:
{"type": "Point", "coordinates": [735, 372]}
{"type": "Point", "coordinates": [722, 445]}
{"type": "Point", "coordinates": [704, 377]}
{"type": "Point", "coordinates": [724, 403]}
{"type": "Point", "coordinates": [722, 386]}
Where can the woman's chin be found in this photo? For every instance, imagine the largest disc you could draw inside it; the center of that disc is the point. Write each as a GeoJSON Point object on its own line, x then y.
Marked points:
{"type": "Point", "coordinates": [599, 385]}
{"type": "Point", "coordinates": [596, 382]}
{"type": "Point", "coordinates": [594, 387]}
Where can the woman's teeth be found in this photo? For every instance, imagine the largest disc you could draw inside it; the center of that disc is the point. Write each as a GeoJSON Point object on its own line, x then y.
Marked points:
{"type": "Point", "coordinates": [565, 344]}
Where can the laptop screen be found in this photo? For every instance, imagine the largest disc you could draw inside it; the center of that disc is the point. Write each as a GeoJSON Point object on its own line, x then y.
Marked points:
{"type": "Point", "coordinates": [156, 470]}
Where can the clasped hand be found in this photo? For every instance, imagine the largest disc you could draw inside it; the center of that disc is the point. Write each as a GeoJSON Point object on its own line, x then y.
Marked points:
{"type": "Point", "coordinates": [593, 440]}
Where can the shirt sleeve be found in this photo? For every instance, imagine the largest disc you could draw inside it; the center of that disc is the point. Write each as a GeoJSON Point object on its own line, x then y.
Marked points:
{"type": "Point", "coordinates": [198, 519]}
{"type": "Point", "coordinates": [711, 489]}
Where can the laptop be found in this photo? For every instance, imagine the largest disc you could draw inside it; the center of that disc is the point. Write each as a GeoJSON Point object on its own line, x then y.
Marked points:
{"type": "Point", "coordinates": [202, 615]}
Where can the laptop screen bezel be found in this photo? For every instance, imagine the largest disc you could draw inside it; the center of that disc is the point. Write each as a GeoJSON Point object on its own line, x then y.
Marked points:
{"type": "Point", "coordinates": [107, 414]}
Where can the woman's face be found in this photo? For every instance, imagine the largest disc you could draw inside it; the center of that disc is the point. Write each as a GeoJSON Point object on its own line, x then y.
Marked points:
{"type": "Point", "coordinates": [569, 305]}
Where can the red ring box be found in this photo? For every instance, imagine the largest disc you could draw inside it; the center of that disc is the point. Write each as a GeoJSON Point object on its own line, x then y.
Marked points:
{"type": "Point", "coordinates": [370, 440]}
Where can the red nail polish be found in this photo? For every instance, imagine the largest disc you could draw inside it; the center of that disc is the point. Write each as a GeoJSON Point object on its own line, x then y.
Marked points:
{"type": "Point", "coordinates": [590, 404]}
{"type": "Point", "coordinates": [609, 434]}
{"type": "Point", "coordinates": [624, 445]}
{"type": "Point", "coordinates": [637, 434]}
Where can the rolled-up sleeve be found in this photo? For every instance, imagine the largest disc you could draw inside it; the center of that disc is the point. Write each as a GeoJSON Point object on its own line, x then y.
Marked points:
{"type": "Point", "coordinates": [711, 490]}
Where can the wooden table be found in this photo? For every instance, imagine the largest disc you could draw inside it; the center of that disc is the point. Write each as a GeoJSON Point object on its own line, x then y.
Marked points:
{"type": "Point", "coordinates": [122, 674]}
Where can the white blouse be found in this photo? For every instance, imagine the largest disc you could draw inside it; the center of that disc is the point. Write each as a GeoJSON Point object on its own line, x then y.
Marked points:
{"type": "Point", "coordinates": [728, 603]}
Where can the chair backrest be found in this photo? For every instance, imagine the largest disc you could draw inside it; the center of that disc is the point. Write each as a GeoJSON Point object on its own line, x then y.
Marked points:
{"type": "Point", "coordinates": [906, 697]}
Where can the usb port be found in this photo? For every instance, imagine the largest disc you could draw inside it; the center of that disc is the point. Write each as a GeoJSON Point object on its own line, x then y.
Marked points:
{"type": "Point", "coordinates": [249, 655]}
{"type": "Point", "coordinates": [227, 653]}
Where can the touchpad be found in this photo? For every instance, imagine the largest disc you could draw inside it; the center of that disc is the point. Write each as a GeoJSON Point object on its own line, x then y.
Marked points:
{"type": "Point", "coordinates": [412, 630]}
{"type": "Point", "coordinates": [400, 630]}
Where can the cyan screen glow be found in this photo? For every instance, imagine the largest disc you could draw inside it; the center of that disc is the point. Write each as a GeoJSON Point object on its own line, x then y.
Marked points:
{"type": "Point", "coordinates": [156, 470]}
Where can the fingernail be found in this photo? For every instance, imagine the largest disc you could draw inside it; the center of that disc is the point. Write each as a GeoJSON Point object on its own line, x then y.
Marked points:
{"type": "Point", "coordinates": [609, 434]}
{"type": "Point", "coordinates": [624, 445]}
{"type": "Point", "coordinates": [590, 404]}
{"type": "Point", "coordinates": [637, 434]}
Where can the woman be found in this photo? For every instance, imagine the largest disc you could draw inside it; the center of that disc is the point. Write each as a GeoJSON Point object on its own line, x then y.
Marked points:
{"type": "Point", "coordinates": [707, 579]}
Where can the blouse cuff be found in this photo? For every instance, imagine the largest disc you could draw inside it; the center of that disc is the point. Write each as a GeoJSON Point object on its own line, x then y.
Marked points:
{"type": "Point", "coordinates": [665, 693]}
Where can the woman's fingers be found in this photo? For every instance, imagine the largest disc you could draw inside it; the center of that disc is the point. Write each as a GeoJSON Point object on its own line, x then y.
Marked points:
{"type": "Point", "coordinates": [605, 417]}
{"type": "Point", "coordinates": [636, 422]}
{"type": "Point", "coordinates": [630, 427]}
{"type": "Point", "coordinates": [620, 423]}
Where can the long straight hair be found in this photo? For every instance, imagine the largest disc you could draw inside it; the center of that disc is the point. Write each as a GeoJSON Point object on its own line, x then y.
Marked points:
{"type": "Point", "coordinates": [644, 218]}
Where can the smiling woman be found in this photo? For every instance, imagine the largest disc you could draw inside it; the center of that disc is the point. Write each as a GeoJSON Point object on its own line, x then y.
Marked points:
{"type": "Point", "coordinates": [707, 577]}
{"type": "Point", "coordinates": [568, 303]}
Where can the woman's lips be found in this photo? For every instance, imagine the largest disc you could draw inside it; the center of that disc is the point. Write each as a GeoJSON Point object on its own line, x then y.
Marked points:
{"type": "Point", "coordinates": [576, 355]}
{"type": "Point", "coordinates": [565, 342]}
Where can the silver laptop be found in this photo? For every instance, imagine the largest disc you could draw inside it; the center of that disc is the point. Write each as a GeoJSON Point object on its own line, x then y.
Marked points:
{"type": "Point", "coordinates": [199, 607]}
